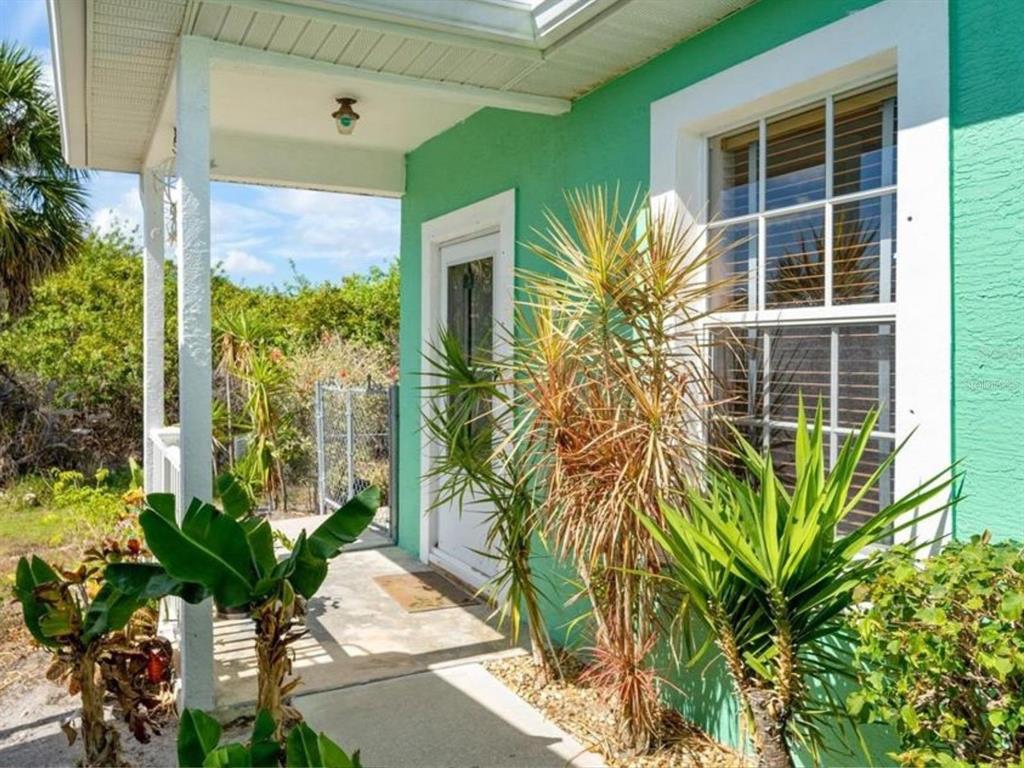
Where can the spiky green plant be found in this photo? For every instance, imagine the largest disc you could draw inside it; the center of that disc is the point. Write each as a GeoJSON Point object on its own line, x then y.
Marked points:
{"type": "Point", "coordinates": [768, 571]}
{"type": "Point", "coordinates": [484, 461]}
{"type": "Point", "coordinates": [42, 200]}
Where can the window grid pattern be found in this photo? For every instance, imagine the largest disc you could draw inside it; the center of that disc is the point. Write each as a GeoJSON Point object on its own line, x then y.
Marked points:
{"type": "Point", "coordinates": [807, 244]}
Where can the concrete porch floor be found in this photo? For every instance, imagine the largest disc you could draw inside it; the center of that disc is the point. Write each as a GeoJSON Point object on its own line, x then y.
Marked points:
{"type": "Point", "coordinates": [357, 633]}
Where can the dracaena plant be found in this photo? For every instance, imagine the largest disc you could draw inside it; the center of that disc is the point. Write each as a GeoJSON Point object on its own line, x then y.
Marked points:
{"type": "Point", "coordinates": [769, 570]}
{"type": "Point", "coordinates": [611, 380]}
{"type": "Point", "coordinates": [484, 460]}
{"type": "Point", "coordinates": [229, 555]}
{"type": "Point", "coordinates": [199, 745]}
{"type": "Point", "coordinates": [82, 622]}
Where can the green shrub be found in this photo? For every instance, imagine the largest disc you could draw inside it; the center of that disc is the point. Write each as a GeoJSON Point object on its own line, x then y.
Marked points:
{"type": "Point", "coordinates": [941, 654]}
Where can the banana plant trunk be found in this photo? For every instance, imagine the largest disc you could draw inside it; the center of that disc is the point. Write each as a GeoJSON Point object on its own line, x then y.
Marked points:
{"type": "Point", "coordinates": [769, 722]}
{"type": "Point", "coordinates": [276, 629]}
{"type": "Point", "coordinates": [100, 741]}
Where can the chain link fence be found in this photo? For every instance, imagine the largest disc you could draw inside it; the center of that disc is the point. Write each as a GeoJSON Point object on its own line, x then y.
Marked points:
{"type": "Point", "coordinates": [356, 440]}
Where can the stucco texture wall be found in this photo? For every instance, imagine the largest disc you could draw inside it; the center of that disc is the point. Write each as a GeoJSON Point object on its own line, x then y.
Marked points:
{"type": "Point", "coordinates": [605, 140]}
{"type": "Point", "coordinates": [987, 137]}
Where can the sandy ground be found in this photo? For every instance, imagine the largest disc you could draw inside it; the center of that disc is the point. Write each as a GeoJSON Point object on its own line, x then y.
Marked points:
{"type": "Point", "coordinates": [32, 710]}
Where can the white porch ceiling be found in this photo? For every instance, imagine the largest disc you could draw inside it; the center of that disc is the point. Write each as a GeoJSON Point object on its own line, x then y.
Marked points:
{"type": "Point", "coordinates": [416, 66]}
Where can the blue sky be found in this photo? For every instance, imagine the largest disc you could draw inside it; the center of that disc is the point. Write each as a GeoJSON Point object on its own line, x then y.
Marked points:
{"type": "Point", "coordinates": [256, 231]}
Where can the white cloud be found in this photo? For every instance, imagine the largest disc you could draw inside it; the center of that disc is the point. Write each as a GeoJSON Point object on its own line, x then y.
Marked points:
{"type": "Point", "coordinates": [241, 264]}
{"type": "Point", "coordinates": [115, 207]}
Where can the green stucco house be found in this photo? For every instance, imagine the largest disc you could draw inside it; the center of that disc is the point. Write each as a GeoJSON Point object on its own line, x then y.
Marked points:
{"type": "Point", "coordinates": [881, 142]}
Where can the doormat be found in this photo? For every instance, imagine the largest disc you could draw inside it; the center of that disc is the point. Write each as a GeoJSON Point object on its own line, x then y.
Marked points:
{"type": "Point", "coordinates": [424, 591]}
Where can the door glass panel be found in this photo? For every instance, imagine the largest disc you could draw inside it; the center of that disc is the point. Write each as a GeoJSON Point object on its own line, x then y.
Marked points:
{"type": "Point", "coordinates": [470, 319]}
{"type": "Point", "coordinates": [471, 305]}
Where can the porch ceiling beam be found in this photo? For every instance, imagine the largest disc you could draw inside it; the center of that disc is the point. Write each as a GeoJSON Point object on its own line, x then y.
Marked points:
{"type": "Point", "coordinates": [307, 165]}
{"type": "Point", "coordinates": [418, 29]}
{"type": "Point", "coordinates": [248, 59]}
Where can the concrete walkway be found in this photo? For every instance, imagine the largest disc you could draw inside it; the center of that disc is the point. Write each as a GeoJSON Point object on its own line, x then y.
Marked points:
{"type": "Point", "coordinates": [406, 689]}
{"type": "Point", "coordinates": [358, 633]}
{"type": "Point", "coordinates": [460, 716]}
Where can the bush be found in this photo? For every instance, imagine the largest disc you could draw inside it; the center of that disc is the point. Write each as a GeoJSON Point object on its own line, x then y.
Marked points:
{"type": "Point", "coordinates": [71, 372]}
{"type": "Point", "coordinates": [941, 654]}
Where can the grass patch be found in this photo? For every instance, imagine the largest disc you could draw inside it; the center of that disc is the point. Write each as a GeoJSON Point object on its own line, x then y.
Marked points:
{"type": "Point", "coordinates": [45, 515]}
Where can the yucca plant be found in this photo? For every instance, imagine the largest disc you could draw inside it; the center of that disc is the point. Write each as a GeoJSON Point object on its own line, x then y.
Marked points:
{"type": "Point", "coordinates": [483, 460]}
{"type": "Point", "coordinates": [238, 337]}
{"type": "Point", "coordinates": [267, 383]}
{"type": "Point", "coordinates": [199, 745]}
{"type": "Point", "coordinates": [229, 555]}
{"type": "Point", "coordinates": [613, 386]}
{"type": "Point", "coordinates": [769, 572]}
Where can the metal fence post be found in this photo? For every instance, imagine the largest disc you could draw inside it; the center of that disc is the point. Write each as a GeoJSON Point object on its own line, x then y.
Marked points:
{"type": "Point", "coordinates": [349, 446]}
{"type": "Point", "coordinates": [321, 459]}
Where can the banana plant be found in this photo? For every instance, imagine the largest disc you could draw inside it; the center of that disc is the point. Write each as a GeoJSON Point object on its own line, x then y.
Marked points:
{"type": "Point", "coordinates": [74, 619]}
{"type": "Point", "coordinates": [199, 745]}
{"type": "Point", "coordinates": [229, 554]}
{"type": "Point", "coordinates": [769, 570]}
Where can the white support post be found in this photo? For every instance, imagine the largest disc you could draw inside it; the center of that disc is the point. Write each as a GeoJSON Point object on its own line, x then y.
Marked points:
{"type": "Point", "coordinates": [151, 192]}
{"type": "Point", "coordinates": [194, 352]}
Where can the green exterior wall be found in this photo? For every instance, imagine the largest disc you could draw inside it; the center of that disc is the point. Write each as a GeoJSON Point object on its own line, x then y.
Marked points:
{"type": "Point", "coordinates": [605, 139]}
{"type": "Point", "coordinates": [987, 136]}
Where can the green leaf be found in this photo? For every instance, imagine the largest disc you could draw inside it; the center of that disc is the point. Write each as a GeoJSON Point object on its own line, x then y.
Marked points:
{"type": "Point", "coordinates": [333, 756]}
{"type": "Point", "coordinates": [108, 611]}
{"type": "Point", "coordinates": [209, 548]}
{"type": "Point", "coordinates": [346, 524]}
{"type": "Point", "coordinates": [232, 755]}
{"type": "Point", "coordinates": [264, 749]}
{"type": "Point", "coordinates": [261, 542]}
{"type": "Point", "coordinates": [1012, 606]}
{"type": "Point", "coordinates": [28, 575]}
{"type": "Point", "coordinates": [150, 581]}
{"type": "Point", "coordinates": [234, 497]}
{"type": "Point", "coordinates": [309, 571]}
{"type": "Point", "coordinates": [302, 748]}
{"type": "Point", "coordinates": [198, 734]}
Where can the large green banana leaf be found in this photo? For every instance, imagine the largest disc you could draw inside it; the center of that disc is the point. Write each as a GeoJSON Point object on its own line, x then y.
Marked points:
{"type": "Point", "coordinates": [346, 524]}
{"type": "Point", "coordinates": [108, 611]}
{"type": "Point", "coordinates": [198, 734]}
{"type": "Point", "coordinates": [306, 749]}
{"type": "Point", "coordinates": [149, 581]}
{"type": "Point", "coordinates": [209, 548]}
{"type": "Point", "coordinates": [30, 574]}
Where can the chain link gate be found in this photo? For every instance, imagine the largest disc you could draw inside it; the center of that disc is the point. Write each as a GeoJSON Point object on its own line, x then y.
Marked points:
{"type": "Point", "coordinates": [356, 446]}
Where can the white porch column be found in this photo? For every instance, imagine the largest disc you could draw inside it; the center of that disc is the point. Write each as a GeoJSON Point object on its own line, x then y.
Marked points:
{"type": "Point", "coordinates": [194, 353]}
{"type": "Point", "coordinates": [151, 191]}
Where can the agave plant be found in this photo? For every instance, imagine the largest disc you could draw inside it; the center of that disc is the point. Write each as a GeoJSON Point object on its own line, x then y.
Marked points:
{"type": "Point", "coordinates": [612, 383]}
{"type": "Point", "coordinates": [82, 625]}
{"type": "Point", "coordinates": [199, 745]}
{"type": "Point", "coordinates": [229, 555]}
{"type": "Point", "coordinates": [769, 572]}
{"type": "Point", "coordinates": [484, 460]}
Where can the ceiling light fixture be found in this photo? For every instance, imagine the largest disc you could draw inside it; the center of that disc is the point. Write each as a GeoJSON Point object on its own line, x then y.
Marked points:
{"type": "Point", "coordinates": [344, 116]}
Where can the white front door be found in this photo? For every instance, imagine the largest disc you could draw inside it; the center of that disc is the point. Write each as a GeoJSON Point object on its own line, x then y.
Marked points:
{"type": "Point", "coordinates": [467, 310]}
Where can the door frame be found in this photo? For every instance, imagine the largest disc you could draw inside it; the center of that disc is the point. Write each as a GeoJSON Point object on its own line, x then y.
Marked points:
{"type": "Point", "coordinates": [493, 214]}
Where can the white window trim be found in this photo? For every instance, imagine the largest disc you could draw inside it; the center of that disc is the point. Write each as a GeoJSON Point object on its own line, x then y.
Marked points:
{"type": "Point", "coordinates": [493, 213]}
{"type": "Point", "coordinates": [912, 40]}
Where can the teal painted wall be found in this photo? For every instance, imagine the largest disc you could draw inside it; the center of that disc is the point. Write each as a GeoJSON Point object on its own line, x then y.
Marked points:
{"type": "Point", "coordinates": [605, 140]}
{"type": "Point", "coordinates": [987, 136]}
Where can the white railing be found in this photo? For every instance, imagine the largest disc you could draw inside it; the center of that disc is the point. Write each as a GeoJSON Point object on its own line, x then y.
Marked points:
{"type": "Point", "coordinates": [167, 479]}
{"type": "Point", "coordinates": [166, 459]}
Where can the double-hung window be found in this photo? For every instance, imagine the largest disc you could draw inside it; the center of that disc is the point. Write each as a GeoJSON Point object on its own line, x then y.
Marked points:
{"type": "Point", "coordinates": [802, 206]}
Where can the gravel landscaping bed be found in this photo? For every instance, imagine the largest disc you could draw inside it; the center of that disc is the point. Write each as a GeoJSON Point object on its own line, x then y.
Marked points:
{"type": "Point", "coordinates": [583, 712]}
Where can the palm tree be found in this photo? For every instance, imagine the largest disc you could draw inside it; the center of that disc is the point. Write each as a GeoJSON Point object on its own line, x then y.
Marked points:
{"type": "Point", "coordinates": [42, 200]}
